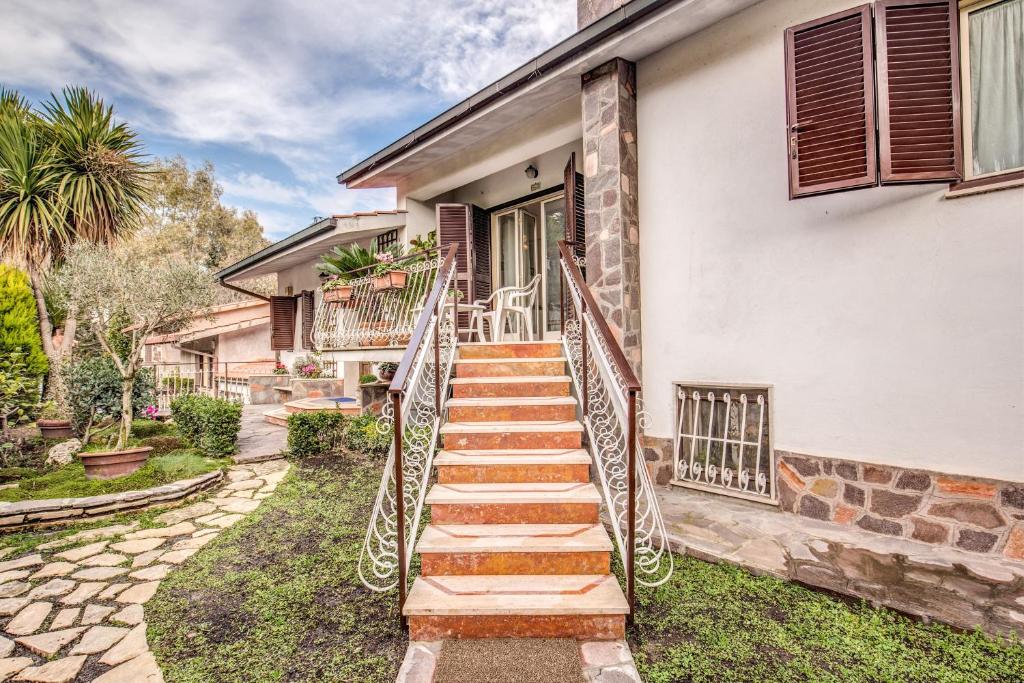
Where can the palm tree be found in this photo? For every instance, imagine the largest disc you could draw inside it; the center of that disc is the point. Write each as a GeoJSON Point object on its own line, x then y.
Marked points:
{"type": "Point", "coordinates": [68, 173]}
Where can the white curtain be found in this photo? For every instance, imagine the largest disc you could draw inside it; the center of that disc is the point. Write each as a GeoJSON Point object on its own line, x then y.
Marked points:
{"type": "Point", "coordinates": [996, 40]}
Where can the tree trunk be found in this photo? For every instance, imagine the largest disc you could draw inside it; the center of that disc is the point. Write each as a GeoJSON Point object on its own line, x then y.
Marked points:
{"type": "Point", "coordinates": [125, 430]}
{"type": "Point", "coordinates": [54, 390]}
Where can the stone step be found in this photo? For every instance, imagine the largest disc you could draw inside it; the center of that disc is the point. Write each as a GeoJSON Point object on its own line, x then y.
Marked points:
{"type": "Point", "coordinates": [509, 367]}
{"type": "Point", "coordinates": [514, 503]}
{"type": "Point", "coordinates": [584, 606]}
{"type": "Point", "coordinates": [533, 386]}
{"type": "Point", "coordinates": [462, 549]}
{"type": "Point", "coordinates": [512, 408]}
{"type": "Point", "coordinates": [277, 417]}
{"type": "Point", "coordinates": [458, 436]}
{"type": "Point", "coordinates": [309, 405]}
{"type": "Point", "coordinates": [522, 466]}
{"type": "Point", "coordinates": [513, 349]}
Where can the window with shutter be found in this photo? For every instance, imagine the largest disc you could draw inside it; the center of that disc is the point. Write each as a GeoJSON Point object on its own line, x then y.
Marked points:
{"type": "Point", "coordinates": [282, 323]}
{"type": "Point", "coordinates": [575, 219]}
{"type": "Point", "coordinates": [308, 313]}
{"type": "Point", "coordinates": [918, 90]}
{"type": "Point", "coordinates": [830, 109]}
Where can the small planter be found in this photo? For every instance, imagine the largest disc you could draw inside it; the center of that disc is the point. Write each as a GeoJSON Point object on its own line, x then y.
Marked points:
{"type": "Point", "coordinates": [55, 429]}
{"type": "Point", "coordinates": [387, 376]}
{"type": "Point", "coordinates": [394, 279]}
{"type": "Point", "coordinates": [338, 294]}
{"type": "Point", "coordinates": [113, 464]}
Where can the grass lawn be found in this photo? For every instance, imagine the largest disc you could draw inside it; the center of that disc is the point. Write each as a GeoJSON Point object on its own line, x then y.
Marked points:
{"type": "Point", "coordinates": [169, 461]}
{"type": "Point", "coordinates": [719, 623]}
{"type": "Point", "coordinates": [277, 598]}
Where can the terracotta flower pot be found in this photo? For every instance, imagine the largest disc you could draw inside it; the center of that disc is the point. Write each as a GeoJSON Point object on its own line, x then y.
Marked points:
{"type": "Point", "coordinates": [394, 279]}
{"type": "Point", "coordinates": [55, 429]}
{"type": "Point", "coordinates": [338, 294]}
{"type": "Point", "coordinates": [113, 464]}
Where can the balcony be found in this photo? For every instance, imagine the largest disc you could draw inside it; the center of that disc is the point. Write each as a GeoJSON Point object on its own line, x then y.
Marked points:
{"type": "Point", "coordinates": [374, 316]}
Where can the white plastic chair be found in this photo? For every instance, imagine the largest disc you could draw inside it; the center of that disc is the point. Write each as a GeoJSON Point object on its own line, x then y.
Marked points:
{"type": "Point", "coordinates": [517, 303]}
{"type": "Point", "coordinates": [491, 314]}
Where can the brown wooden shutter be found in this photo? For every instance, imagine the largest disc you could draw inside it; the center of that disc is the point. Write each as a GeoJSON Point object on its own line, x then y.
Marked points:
{"type": "Point", "coordinates": [481, 253]}
{"type": "Point", "coordinates": [575, 219]}
{"type": "Point", "coordinates": [282, 323]}
{"type": "Point", "coordinates": [918, 90]}
{"type": "Point", "coordinates": [830, 110]}
{"type": "Point", "coordinates": [455, 226]}
{"type": "Point", "coordinates": [308, 313]}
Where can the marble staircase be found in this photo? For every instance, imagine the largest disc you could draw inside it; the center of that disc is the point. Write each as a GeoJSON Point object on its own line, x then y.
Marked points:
{"type": "Point", "coordinates": [515, 547]}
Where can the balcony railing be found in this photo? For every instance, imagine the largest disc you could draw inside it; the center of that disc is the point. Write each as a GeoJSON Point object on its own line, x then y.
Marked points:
{"type": "Point", "coordinates": [229, 380]}
{"type": "Point", "coordinates": [376, 317]}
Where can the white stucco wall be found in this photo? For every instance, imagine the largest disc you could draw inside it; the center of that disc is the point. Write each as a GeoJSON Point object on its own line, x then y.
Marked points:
{"type": "Point", "coordinates": [250, 344]}
{"type": "Point", "coordinates": [890, 320]}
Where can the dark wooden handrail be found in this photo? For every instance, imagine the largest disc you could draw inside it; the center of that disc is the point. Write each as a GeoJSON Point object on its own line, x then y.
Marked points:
{"type": "Point", "coordinates": [401, 377]}
{"type": "Point", "coordinates": [618, 357]}
{"type": "Point", "coordinates": [431, 307]}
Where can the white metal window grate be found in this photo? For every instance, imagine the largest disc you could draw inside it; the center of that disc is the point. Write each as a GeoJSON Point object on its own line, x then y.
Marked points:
{"type": "Point", "coordinates": [723, 440]}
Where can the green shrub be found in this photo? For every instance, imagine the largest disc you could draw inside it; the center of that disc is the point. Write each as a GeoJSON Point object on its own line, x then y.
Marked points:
{"type": "Point", "coordinates": [363, 435]}
{"type": "Point", "coordinates": [19, 391]}
{"type": "Point", "coordinates": [94, 390]}
{"type": "Point", "coordinates": [19, 322]}
{"type": "Point", "coordinates": [315, 432]}
{"type": "Point", "coordinates": [367, 379]}
{"type": "Point", "coordinates": [209, 424]}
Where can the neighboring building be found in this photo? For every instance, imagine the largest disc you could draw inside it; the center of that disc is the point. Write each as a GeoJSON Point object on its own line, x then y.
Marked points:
{"type": "Point", "coordinates": [231, 338]}
{"type": "Point", "coordinates": [703, 147]}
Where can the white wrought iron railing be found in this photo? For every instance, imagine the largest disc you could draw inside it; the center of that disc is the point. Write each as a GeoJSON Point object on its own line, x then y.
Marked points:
{"type": "Point", "coordinates": [373, 317]}
{"type": "Point", "coordinates": [609, 396]}
{"type": "Point", "coordinates": [222, 380]}
{"type": "Point", "coordinates": [723, 440]}
{"type": "Point", "coordinates": [414, 416]}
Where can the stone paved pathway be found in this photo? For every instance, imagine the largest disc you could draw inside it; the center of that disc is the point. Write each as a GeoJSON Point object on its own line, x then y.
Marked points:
{"type": "Point", "coordinates": [258, 439]}
{"type": "Point", "coordinates": [72, 610]}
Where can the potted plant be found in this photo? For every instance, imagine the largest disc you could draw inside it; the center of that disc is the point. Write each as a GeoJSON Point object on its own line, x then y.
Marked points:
{"type": "Point", "coordinates": [53, 423]}
{"type": "Point", "coordinates": [337, 289]}
{"type": "Point", "coordinates": [126, 300]}
{"type": "Point", "coordinates": [280, 368]}
{"type": "Point", "coordinates": [388, 274]}
{"type": "Point", "coordinates": [386, 371]}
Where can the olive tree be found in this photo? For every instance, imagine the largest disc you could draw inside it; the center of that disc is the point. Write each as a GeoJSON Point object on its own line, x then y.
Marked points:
{"type": "Point", "coordinates": [155, 296]}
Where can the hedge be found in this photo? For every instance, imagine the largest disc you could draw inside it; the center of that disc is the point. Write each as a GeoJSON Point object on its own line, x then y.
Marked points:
{"type": "Point", "coordinates": [323, 432]}
{"type": "Point", "coordinates": [207, 423]}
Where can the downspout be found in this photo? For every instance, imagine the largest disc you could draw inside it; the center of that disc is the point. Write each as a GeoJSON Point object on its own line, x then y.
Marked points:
{"type": "Point", "coordinates": [242, 291]}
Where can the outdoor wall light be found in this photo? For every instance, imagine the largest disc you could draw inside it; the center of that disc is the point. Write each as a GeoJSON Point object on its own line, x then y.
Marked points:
{"type": "Point", "coordinates": [532, 172]}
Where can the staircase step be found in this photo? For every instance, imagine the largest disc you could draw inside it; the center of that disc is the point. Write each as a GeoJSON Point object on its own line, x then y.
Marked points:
{"type": "Point", "coordinates": [277, 417]}
{"type": "Point", "coordinates": [585, 607]}
{"type": "Point", "coordinates": [513, 408]}
{"type": "Point", "coordinates": [530, 465]}
{"type": "Point", "coordinates": [532, 386]}
{"type": "Point", "coordinates": [533, 503]}
{"type": "Point", "coordinates": [509, 367]}
{"type": "Point", "coordinates": [521, 349]}
{"type": "Point", "coordinates": [462, 549]}
{"type": "Point", "coordinates": [512, 435]}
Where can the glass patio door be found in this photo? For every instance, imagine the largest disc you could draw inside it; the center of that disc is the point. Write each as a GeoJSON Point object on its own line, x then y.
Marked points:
{"type": "Point", "coordinates": [518, 256]}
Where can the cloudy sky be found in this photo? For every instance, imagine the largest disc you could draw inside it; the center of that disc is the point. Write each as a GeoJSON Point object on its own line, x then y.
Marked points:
{"type": "Point", "coordinates": [281, 95]}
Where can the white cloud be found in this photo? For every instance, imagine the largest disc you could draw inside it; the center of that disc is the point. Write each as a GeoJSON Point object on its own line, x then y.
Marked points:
{"type": "Point", "coordinates": [302, 81]}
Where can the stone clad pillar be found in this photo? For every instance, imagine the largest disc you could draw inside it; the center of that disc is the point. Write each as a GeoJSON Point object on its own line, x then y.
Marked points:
{"type": "Point", "coordinates": [610, 199]}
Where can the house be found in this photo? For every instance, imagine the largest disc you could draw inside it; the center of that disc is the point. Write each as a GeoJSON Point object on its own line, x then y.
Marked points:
{"type": "Point", "coordinates": [293, 261]}
{"type": "Point", "coordinates": [218, 352]}
{"type": "Point", "coordinates": [803, 222]}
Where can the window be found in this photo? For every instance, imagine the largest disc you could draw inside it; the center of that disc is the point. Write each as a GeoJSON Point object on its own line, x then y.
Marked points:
{"type": "Point", "coordinates": [905, 91]}
{"type": "Point", "coordinates": [387, 239]}
{"type": "Point", "coordinates": [992, 69]}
